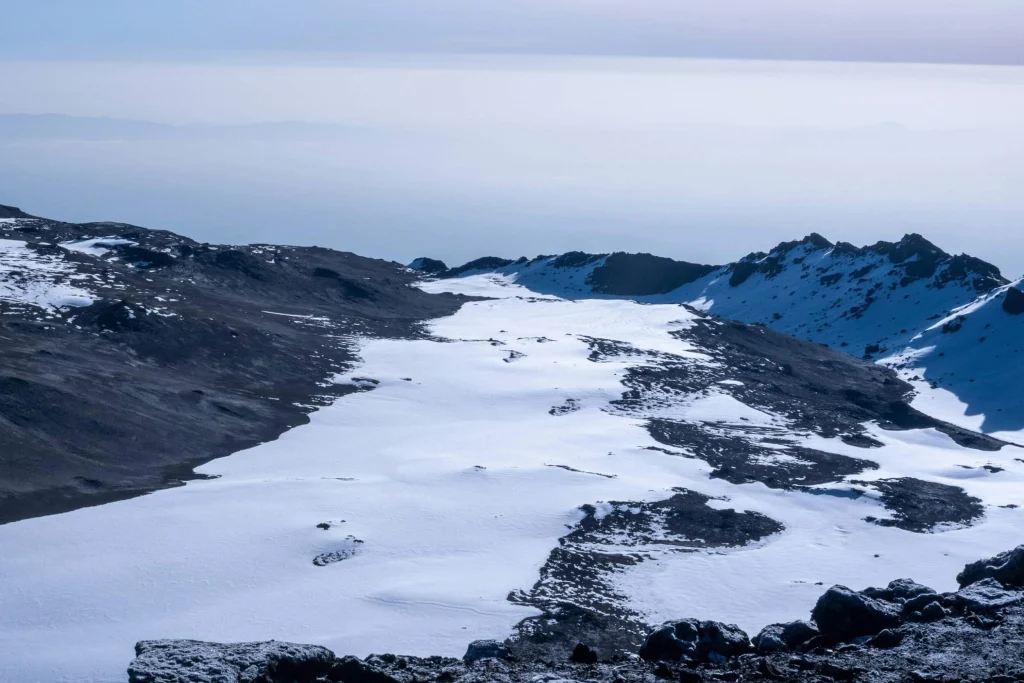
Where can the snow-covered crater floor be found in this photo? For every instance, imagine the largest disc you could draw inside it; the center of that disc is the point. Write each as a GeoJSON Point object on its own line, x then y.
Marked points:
{"type": "Point", "coordinates": [441, 497]}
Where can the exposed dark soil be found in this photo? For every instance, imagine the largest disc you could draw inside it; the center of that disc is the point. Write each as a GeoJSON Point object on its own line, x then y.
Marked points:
{"type": "Point", "coordinates": [194, 352]}
{"type": "Point", "coordinates": [920, 505]}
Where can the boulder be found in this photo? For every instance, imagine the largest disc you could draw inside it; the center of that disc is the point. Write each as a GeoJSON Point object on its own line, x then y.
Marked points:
{"type": "Point", "coordinates": [920, 602]}
{"type": "Point", "coordinates": [886, 639]}
{"type": "Point", "coordinates": [933, 611]}
{"type": "Point", "coordinates": [1007, 568]}
{"type": "Point", "coordinates": [485, 649]}
{"type": "Point", "coordinates": [1013, 302]}
{"type": "Point", "coordinates": [987, 595]}
{"type": "Point", "coordinates": [693, 640]}
{"type": "Point", "coordinates": [583, 654]}
{"type": "Point", "coordinates": [842, 614]}
{"type": "Point", "coordinates": [784, 637]}
{"type": "Point", "coordinates": [173, 661]}
{"type": "Point", "coordinates": [902, 590]}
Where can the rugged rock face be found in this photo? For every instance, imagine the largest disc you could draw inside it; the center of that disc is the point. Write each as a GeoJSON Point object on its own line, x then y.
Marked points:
{"type": "Point", "coordinates": [842, 614]}
{"type": "Point", "coordinates": [161, 661]}
{"type": "Point", "coordinates": [1007, 568]}
{"type": "Point", "coordinates": [904, 632]}
{"type": "Point", "coordinates": [896, 302]}
{"type": "Point", "coordinates": [131, 355]}
{"type": "Point", "coordinates": [12, 212]}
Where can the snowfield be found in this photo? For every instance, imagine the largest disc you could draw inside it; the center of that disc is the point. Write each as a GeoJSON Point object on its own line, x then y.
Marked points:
{"type": "Point", "coordinates": [443, 488]}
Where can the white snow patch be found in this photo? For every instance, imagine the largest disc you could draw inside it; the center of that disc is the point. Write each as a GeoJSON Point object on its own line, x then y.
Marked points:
{"type": "Point", "coordinates": [95, 246]}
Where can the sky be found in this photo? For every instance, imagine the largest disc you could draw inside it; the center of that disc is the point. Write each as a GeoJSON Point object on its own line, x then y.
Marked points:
{"type": "Point", "coordinates": [951, 31]}
{"type": "Point", "coordinates": [456, 129]}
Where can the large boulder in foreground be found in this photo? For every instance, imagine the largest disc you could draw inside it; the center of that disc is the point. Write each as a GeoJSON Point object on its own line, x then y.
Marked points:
{"type": "Point", "coordinates": [1007, 568]}
{"type": "Point", "coordinates": [842, 614]}
{"type": "Point", "coordinates": [176, 661]}
{"type": "Point", "coordinates": [696, 641]}
{"type": "Point", "coordinates": [784, 637]}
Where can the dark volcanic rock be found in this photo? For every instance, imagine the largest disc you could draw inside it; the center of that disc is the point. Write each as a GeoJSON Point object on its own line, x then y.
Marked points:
{"type": "Point", "coordinates": [986, 595]}
{"type": "Point", "coordinates": [579, 602]}
{"type": "Point", "coordinates": [485, 263]}
{"type": "Point", "coordinates": [643, 274]}
{"type": "Point", "coordinates": [900, 590]}
{"type": "Point", "coordinates": [783, 637]}
{"type": "Point", "coordinates": [12, 212]}
{"type": "Point", "coordinates": [1007, 568]}
{"type": "Point", "coordinates": [429, 266]}
{"type": "Point", "coordinates": [354, 670]}
{"type": "Point", "coordinates": [190, 352]}
{"type": "Point", "coordinates": [583, 654]}
{"type": "Point", "coordinates": [842, 614]}
{"type": "Point", "coordinates": [963, 645]}
{"type": "Point", "coordinates": [177, 661]}
{"type": "Point", "coordinates": [693, 640]}
{"type": "Point", "coordinates": [919, 505]}
{"type": "Point", "coordinates": [485, 649]}
{"type": "Point", "coordinates": [1013, 301]}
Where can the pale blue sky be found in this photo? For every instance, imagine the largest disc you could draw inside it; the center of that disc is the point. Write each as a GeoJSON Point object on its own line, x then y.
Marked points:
{"type": "Point", "coordinates": [952, 31]}
{"type": "Point", "coordinates": [457, 128]}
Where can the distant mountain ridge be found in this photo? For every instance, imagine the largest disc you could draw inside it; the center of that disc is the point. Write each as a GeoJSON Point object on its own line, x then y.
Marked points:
{"type": "Point", "coordinates": [880, 301]}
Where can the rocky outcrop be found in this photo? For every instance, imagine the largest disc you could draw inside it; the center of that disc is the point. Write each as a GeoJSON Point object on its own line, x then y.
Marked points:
{"type": "Point", "coordinates": [902, 632]}
{"type": "Point", "coordinates": [785, 637]}
{"type": "Point", "coordinates": [1013, 301]}
{"type": "Point", "coordinates": [164, 661]}
{"type": "Point", "coordinates": [842, 614]}
{"type": "Point", "coordinates": [429, 266]}
{"type": "Point", "coordinates": [485, 649]}
{"type": "Point", "coordinates": [1007, 568]}
{"type": "Point", "coordinates": [695, 641]}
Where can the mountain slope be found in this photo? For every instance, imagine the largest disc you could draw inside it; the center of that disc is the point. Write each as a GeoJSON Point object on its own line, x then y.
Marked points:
{"type": "Point", "coordinates": [520, 466]}
{"type": "Point", "coordinates": [876, 301]}
{"type": "Point", "coordinates": [131, 355]}
{"type": "Point", "coordinates": [534, 468]}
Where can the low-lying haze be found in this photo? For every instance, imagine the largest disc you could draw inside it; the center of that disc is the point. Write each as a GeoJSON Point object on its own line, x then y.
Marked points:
{"type": "Point", "coordinates": [456, 157]}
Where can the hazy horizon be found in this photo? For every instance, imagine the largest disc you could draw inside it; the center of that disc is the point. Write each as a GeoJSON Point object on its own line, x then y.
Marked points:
{"type": "Point", "coordinates": [459, 157]}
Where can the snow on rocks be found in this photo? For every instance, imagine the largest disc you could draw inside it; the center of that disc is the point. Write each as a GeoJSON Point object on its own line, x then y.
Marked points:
{"type": "Point", "coordinates": [32, 277]}
{"type": "Point", "coordinates": [95, 246]}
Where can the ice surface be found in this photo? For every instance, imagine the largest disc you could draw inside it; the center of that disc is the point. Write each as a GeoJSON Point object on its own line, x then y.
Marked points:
{"type": "Point", "coordinates": [446, 481]}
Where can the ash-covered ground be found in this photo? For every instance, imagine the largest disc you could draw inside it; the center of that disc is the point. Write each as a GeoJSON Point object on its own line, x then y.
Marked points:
{"type": "Point", "coordinates": [131, 356]}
